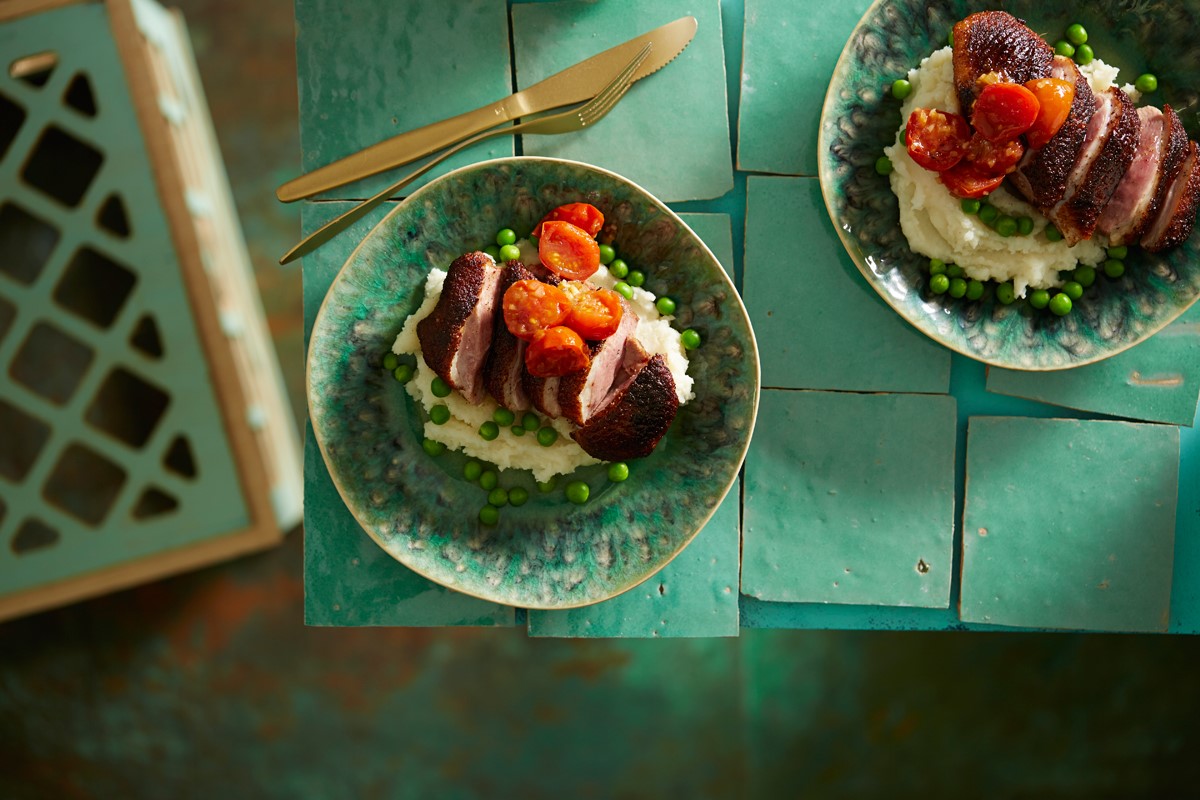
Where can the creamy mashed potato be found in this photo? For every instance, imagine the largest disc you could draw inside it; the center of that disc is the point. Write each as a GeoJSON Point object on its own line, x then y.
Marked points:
{"type": "Point", "coordinates": [933, 220]}
{"type": "Point", "coordinates": [507, 451]}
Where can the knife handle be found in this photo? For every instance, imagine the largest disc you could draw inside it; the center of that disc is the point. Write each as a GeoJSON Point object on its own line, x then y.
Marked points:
{"type": "Point", "coordinates": [394, 152]}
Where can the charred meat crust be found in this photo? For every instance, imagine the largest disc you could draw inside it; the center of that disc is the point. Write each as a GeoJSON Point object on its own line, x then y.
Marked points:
{"type": "Point", "coordinates": [1183, 216]}
{"type": "Point", "coordinates": [1174, 151]}
{"type": "Point", "coordinates": [633, 422]}
{"type": "Point", "coordinates": [441, 333]}
{"type": "Point", "coordinates": [1078, 217]}
{"type": "Point", "coordinates": [1043, 173]}
{"type": "Point", "coordinates": [996, 41]}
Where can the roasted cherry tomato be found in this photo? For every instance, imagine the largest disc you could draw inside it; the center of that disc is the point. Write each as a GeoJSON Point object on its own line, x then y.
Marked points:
{"type": "Point", "coordinates": [582, 215]}
{"type": "Point", "coordinates": [532, 306]}
{"type": "Point", "coordinates": [936, 140]}
{"type": "Point", "coordinates": [596, 314]}
{"type": "Point", "coordinates": [994, 158]}
{"type": "Point", "coordinates": [969, 182]}
{"type": "Point", "coordinates": [1054, 99]}
{"type": "Point", "coordinates": [555, 352]}
{"type": "Point", "coordinates": [568, 251]}
{"type": "Point", "coordinates": [1004, 111]}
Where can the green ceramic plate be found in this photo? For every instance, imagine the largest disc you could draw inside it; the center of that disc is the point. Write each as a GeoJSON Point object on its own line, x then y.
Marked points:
{"type": "Point", "coordinates": [548, 553]}
{"type": "Point", "coordinates": [859, 119]}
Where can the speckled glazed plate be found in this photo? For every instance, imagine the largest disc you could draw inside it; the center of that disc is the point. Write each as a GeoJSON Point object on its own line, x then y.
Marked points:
{"type": "Point", "coordinates": [859, 119]}
{"type": "Point", "coordinates": [548, 553]}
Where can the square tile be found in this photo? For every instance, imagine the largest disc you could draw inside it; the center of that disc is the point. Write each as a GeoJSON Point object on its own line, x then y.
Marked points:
{"type": "Point", "coordinates": [788, 56]}
{"type": "Point", "coordinates": [1157, 381]}
{"type": "Point", "coordinates": [849, 498]}
{"type": "Point", "coordinates": [670, 134]}
{"type": "Point", "coordinates": [1069, 523]}
{"type": "Point", "coordinates": [819, 324]}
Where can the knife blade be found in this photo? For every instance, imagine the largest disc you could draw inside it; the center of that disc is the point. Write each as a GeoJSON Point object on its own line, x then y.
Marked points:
{"type": "Point", "coordinates": [574, 84]}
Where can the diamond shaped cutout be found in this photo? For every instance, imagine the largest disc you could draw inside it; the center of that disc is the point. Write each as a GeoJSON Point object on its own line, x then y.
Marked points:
{"type": "Point", "coordinates": [147, 338]}
{"type": "Point", "coordinates": [51, 363]}
{"type": "Point", "coordinates": [62, 166]}
{"type": "Point", "coordinates": [127, 407]}
{"type": "Point", "coordinates": [23, 437]}
{"type": "Point", "coordinates": [26, 243]}
{"type": "Point", "coordinates": [33, 535]}
{"type": "Point", "coordinates": [94, 286]}
{"type": "Point", "coordinates": [79, 95]}
{"type": "Point", "coordinates": [154, 502]}
{"type": "Point", "coordinates": [113, 218]}
{"type": "Point", "coordinates": [84, 484]}
{"type": "Point", "coordinates": [11, 117]}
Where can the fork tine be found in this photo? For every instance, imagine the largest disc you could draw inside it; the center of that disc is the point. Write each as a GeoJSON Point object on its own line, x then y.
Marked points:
{"type": "Point", "coordinates": [603, 102]}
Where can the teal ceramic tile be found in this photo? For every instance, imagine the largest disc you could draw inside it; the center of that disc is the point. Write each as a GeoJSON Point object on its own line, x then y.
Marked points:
{"type": "Point", "coordinates": [850, 499]}
{"type": "Point", "coordinates": [819, 325]}
{"type": "Point", "coordinates": [372, 69]}
{"type": "Point", "coordinates": [715, 231]}
{"type": "Point", "coordinates": [1158, 380]}
{"type": "Point", "coordinates": [1069, 523]}
{"type": "Point", "coordinates": [788, 53]}
{"type": "Point", "coordinates": [1185, 583]}
{"type": "Point", "coordinates": [695, 595]}
{"type": "Point", "coordinates": [670, 133]}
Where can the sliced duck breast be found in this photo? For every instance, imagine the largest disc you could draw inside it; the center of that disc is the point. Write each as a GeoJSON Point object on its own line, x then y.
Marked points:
{"type": "Point", "coordinates": [457, 334]}
{"type": "Point", "coordinates": [1123, 217]}
{"type": "Point", "coordinates": [505, 366]}
{"type": "Point", "coordinates": [995, 42]}
{"type": "Point", "coordinates": [543, 393]}
{"type": "Point", "coordinates": [1177, 214]}
{"type": "Point", "coordinates": [1176, 149]}
{"type": "Point", "coordinates": [634, 419]}
{"type": "Point", "coordinates": [581, 394]}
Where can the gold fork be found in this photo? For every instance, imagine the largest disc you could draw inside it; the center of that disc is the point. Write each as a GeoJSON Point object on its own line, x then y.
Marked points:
{"type": "Point", "coordinates": [576, 119]}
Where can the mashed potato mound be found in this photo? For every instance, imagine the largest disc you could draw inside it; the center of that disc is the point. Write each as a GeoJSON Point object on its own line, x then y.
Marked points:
{"type": "Point", "coordinates": [933, 220]}
{"type": "Point", "coordinates": [508, 451]}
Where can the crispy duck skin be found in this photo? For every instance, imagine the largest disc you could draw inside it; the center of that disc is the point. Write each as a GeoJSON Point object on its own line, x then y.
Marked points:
{"type": "Point", "coordinates": [457, 334]}
{"type": "Point", "coordinates": [502, 374]}
{"type": "Point", "coordinates": [995, 42]}
{"type": "Point", "coordinates": [1129, 204]}
{"type": "Point", "coordinates": [1176, 148]}
{"type": "Point", "coordinates": [631, 424]}
{"type": "Point", "coordinates": [1178, 213]}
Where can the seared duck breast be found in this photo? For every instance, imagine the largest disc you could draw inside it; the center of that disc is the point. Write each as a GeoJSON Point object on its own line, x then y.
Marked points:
{"type": "Point", "coordinates": [457, 335]}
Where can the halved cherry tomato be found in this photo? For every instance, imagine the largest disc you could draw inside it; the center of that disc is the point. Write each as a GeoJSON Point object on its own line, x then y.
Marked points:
{"type": "Point", "coordinates": [582, 215]}
{"type": "Point", "coordinates": [1054, 99]}
{"type": "Point", "coordinates": [994, 158]}
{"type": "Point", "coordinates": [568, 251]}
{"type": "Point", "coordinates": [936, 140]}
{"type": "Point", "coordinates": [531, 306]}
{"type": "Point", "coordinates": [555, 352]}
{"type": "Point", "coordinates": [968, 182]}
{"type": "Point", "coordinates": [1004, 111]}
{"type": "Point", "coordinates": [596, 314]}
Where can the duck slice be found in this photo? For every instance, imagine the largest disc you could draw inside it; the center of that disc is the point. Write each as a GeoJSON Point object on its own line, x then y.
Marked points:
{"type": "Point", "coordinates": [995, 42]}
{"type": "Point", "coordinates": [1176, 149]}
{"type": "Point", "coordinates": [1124, 216]}
{"type": "Point", "coordinates": [503, 372]}
{"type": "Point", "coordinates": [1043, 174]}
{"type": "Point", "coordinates": [635, 418]}
{"type": "Point", "coordinates": [457, 334]}
{"type": "Point", "coordinates": [1108, 149]}
{"type": "Point", "coordinates": [1177, 214]}
{"type": "Point", "coordinates": [582, 393]}
{"type": "Point", "coordinates": [543, 393]}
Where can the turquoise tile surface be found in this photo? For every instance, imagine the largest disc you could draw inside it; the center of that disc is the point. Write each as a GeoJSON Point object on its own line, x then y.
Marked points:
{"type": "Point", "coordinates": [670, 133]}
{"type": "Point", "coordinates": [1157, 381]}
{"type": "Point", "coordinates": [819, 325]}
{"type": "Point", "coordinates": [1069, 523]}
{"type": "Point", "coordinates": [789, 51]}
{"type": "Point", "coordinates": [850, 499]}
{"type": "Point", "coordinates": [369, 71]}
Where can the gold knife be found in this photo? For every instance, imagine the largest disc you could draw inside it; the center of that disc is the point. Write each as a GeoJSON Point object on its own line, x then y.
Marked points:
{"type": "Point", "coordinates": [574, 84]}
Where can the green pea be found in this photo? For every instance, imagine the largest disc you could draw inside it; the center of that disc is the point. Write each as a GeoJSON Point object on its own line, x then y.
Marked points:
{"type": "Point", "coordinates": [1064, 48]}
{"type": "Point", "coordinates": [1146, 83]}
{"type": "Point", "coordinates": [988, 214]}
{"type": "Point", "coordinates": [690, 339]}
{"type": "Point", "coordinates": [883, 166]}
{"type": "Point", "coordinates": [958, 287]}
{"type": "Point", "coordinates": [974, 289]}
{"type": "Point", "coordinates": [1077, 34]}
{"type": "Point", "coordinates": [439, 387]}
{"type": "Point", "coordinates": [901, 88]}
{"type": "Point", "coordinates": [547, 436]}
{"type": "Point", "coordinates": [1114, 268]}
{"type": "Point", "coordinates": [1024, 225]}
{"type": "Point", "coordinates": [489, 430]}
{"type": "Point", "coordinates": [1085, 276]}
{"type": "Point", "coordinates": [433, 447]}
{"type": "Point", "coordinates": [607, 254]}
{"type": "Point", "coordinates": [1084, 54]}
{"type": "Point", "coordinates": [1072, 289]}
{"type": "Point", "coordinates": [506, 236]}
{"type": "Point", "coordinates": [618, 472]}
{"type": "Point", "coordinates": [1060, 305]}
{"type": "Point", "coordinates": [618, 269]}
{"type": "Point", "coordinates": [510, 252]}
{"type": "Point", "coordinates": [517, 430]}
{"type": "Point", "coordinates": [403, 373]}
{"type": "Point", "coordinates": [518, 496]}
{"type": "Point", "coordinates": [578, 492]}
{"type": "Point", "coordinates": [530, 421]}
{"type": "Point", "coordinates": [939, 284]}
{"type": "Point", "coordinates": [390, 361]}
{"type": "Point", "coordinates": [1052, 233]}
{"type": "Point", "coordinates": [439, 414]}
{"type": "Point", "coordinates": [635, 278]}
{"type": "Point", "coordinates": [488, 480]}
{"type": "Point", "coordinates": [971, 206]}
{"type": "Point", "coordinates": [472, 470]}
{"type": "Point", "coordinates": [665, 306]}
{"type": "Point", "coordinates": [545, 487]}
{"type": "Point", "coordinates": [1005, 293]}
{"type": "Point", "coordinates": [492, 251]}
{"type": "Point", "coordinates": [503, 416]}
{"type": "Point", "coordinates": [953, 271]}
{"type": "Point", "coordinates": [489, 515]}
{"type": "Point", "coordinates": [1039, 298]}
{"type": "Point", "coordinates": [624, 289]}
{"type": "Point", "coordinates": [936, 266]}
{"type": "Point", "coordinates": [1118, 252]}
{"type": "Point", "coordinates": [498, 497]}
{"type": "Point", "coordinates": [1006, 226]}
